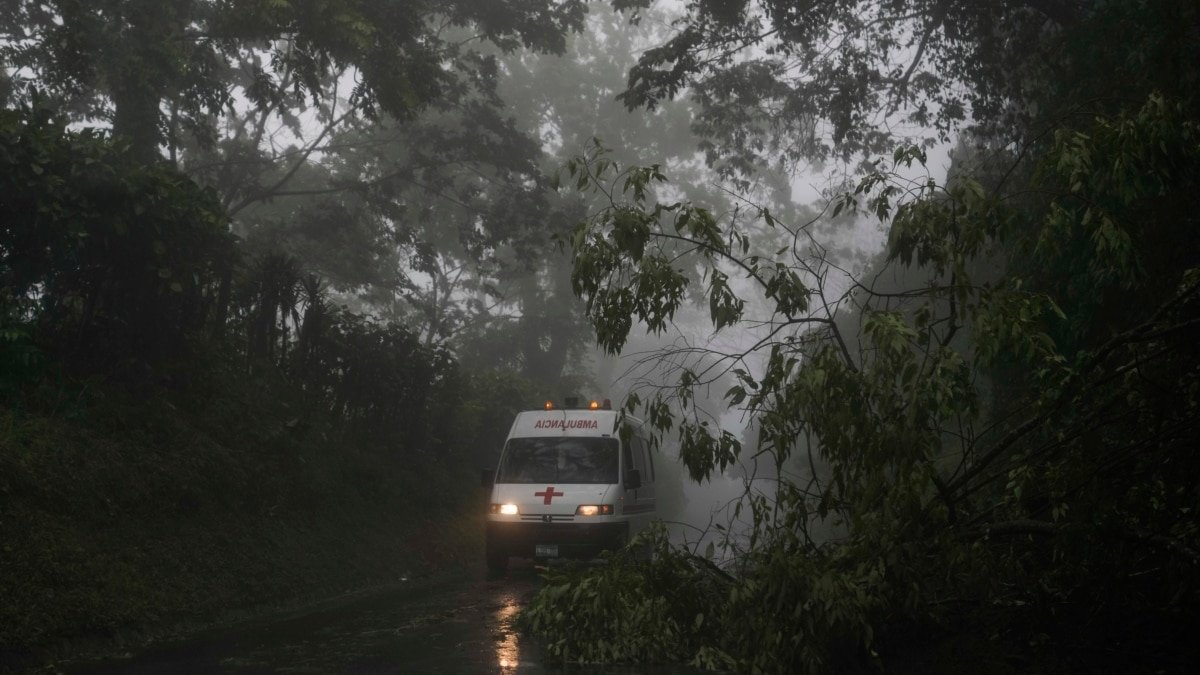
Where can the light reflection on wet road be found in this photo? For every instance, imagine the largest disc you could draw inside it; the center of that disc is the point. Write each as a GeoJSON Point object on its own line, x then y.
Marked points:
{"type": "Point", "coordinates": [448, 623]}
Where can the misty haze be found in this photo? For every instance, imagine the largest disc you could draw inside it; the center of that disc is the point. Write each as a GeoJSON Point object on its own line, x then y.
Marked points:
{"type": "Point", "coordinates": [638, 336]}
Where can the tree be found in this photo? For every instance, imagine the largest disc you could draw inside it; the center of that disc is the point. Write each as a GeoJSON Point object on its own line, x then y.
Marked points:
{"type": "Point", "coordinates": [843, 81]}
{"type": "Point", "coordinates": [568, 101]}
{"type": "Point", "coordinates": [407, 217]}
{"type": "Point", "coordinates": [363, 140]}
{"type": "Point", "coordinates": [1054, 501]}
{"type": "Point", "coordinates": [1008, 451]}
{"type": "Point", "coordinates": [111, 262]}
{"type": "Point", "coordinates": [124, 60]}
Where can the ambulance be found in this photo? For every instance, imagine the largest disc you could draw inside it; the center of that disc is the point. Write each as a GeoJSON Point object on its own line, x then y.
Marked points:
{"type": "Point", "coordinates": [572, 482]}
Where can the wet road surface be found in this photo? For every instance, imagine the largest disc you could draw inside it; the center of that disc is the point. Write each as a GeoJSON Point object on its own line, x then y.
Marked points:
{"type": "Point", "coordinates": [448, 623]}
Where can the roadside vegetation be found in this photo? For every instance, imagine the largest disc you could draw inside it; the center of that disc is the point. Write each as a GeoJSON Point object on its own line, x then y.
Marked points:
{"type": "Point", "coordinates": [976, 451]}
{"type": "Point", "coordinates": [247, 254]}
{"type": "Point", "coordinates": [161, 466]}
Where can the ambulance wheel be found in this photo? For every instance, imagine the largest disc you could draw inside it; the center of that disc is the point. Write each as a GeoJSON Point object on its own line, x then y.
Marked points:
{"type": "Point", "coordinates": [497, 560]}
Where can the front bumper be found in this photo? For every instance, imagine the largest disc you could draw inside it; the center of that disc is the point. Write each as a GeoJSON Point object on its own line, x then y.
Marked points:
{"type": "Point", "coordinates": [574, 540]}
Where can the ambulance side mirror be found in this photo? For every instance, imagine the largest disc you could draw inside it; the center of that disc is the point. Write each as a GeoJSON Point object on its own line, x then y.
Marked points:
{"type": "Point", "coordinates": [633, 479]}
{"type": "Point", "coordinates": [486, 477]}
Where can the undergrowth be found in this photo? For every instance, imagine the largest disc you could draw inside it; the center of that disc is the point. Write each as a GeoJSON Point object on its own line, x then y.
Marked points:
{"type": "Point", "coordinates": [126, 512]}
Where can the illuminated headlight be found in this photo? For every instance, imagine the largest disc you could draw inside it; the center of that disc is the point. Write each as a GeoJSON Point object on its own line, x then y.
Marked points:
{"type": "Point", "coordinates": [505, 509]}
{"type": "Point", "coordinates": [594, 510]}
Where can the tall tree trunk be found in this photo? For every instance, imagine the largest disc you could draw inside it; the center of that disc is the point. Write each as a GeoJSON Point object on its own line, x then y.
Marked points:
{"type": "Point", "coordinates": [137, 117]}
{"type": "Point", "coordinates": [145, 72]}
{"type": "Point", "coordinates": [543, 348]}
{"type": "Point", "coordinates": [221, 316]}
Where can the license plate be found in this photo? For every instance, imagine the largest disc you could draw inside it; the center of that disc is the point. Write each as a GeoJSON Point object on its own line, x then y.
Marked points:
{"type": "Point", "coordinates": [545, 550]}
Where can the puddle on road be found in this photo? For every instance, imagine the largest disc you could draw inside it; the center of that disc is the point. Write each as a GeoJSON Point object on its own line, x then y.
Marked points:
{"type": "Point", "coordinates": [508, 644]}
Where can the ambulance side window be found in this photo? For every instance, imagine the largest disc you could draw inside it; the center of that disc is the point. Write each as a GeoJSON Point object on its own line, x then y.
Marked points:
{"type": "Point", "coordinates": [649, 458]}
{"type": "Point", "coordinates": [626, 460]}
{"type": "Point", "coordinates": [639, 459]}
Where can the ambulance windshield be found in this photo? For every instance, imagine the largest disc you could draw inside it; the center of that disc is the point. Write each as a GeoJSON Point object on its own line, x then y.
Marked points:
{"type": "Point", "coordinates": [559, 459]}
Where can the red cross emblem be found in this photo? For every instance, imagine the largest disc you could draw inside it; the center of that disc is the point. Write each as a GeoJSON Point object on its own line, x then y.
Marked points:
{"type": "Point", "coordinates": [548, 494]}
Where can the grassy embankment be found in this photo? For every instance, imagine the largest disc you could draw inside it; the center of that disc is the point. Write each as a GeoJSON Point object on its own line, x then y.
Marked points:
{"type": "Point", "coordinates": [131, 516]}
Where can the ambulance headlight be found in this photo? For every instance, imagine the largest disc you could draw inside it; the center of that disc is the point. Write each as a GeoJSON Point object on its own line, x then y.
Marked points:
{"type": "Point", "coordinates": [505, 509]}
{"type": "Point", "coordinates": [594, 510]}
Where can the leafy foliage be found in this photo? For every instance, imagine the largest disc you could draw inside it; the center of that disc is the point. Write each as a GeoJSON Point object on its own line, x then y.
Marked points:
{"type": "Point", "coordinates": [124, 58]}
{"type": "Point", "coordinates": [259, 357]}
{"type": "Point", "coordinates": [161, 460]}
{"type": "Point", "coordinates": [105, 258]}
{"type": "Point", "coordinates": [781, 82]}
{"type": "Point", "coordinates": [366, 141]}
{"type": "Point", "coordinates": [628, 611]}
{"type": "Point", "coordinates": [684, 608]}
{"type": "Point", "coordinates": [1009, 453]}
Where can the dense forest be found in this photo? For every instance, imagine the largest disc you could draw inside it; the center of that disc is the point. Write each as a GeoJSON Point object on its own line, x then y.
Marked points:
{"type": "Point", "coordinates": [249, 256]}
{"type": "Point", "coordinates": [276, 274]}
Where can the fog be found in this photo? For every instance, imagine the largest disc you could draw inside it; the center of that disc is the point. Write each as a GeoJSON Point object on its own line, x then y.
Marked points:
{"type": "Point", "coordinates": [912, 285]}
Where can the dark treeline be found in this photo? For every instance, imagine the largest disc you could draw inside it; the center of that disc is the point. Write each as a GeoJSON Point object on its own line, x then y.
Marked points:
{"type": "Point", "coordinates": [180, 415]}
{"type": "Point", "coordinates": [251, 255]}
{"type": "Point", "coordinates": [128, 272]}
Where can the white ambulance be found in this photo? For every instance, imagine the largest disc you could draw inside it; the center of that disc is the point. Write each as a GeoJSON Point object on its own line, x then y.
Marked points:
{"type": "Point", "coordinates": [570, 484]}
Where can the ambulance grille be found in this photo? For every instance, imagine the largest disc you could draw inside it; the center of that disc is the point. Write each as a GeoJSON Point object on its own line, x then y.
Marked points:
{"type": "Point", "coordinates": [542, 518]}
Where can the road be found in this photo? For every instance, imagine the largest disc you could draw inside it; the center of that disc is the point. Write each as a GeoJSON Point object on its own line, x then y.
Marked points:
{"type": "Point", "coordinates": [447, 623]}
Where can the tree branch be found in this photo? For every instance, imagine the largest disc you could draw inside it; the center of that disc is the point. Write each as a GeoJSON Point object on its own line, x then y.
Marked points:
{"type": "Point", "coordinates": [312, 147]}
